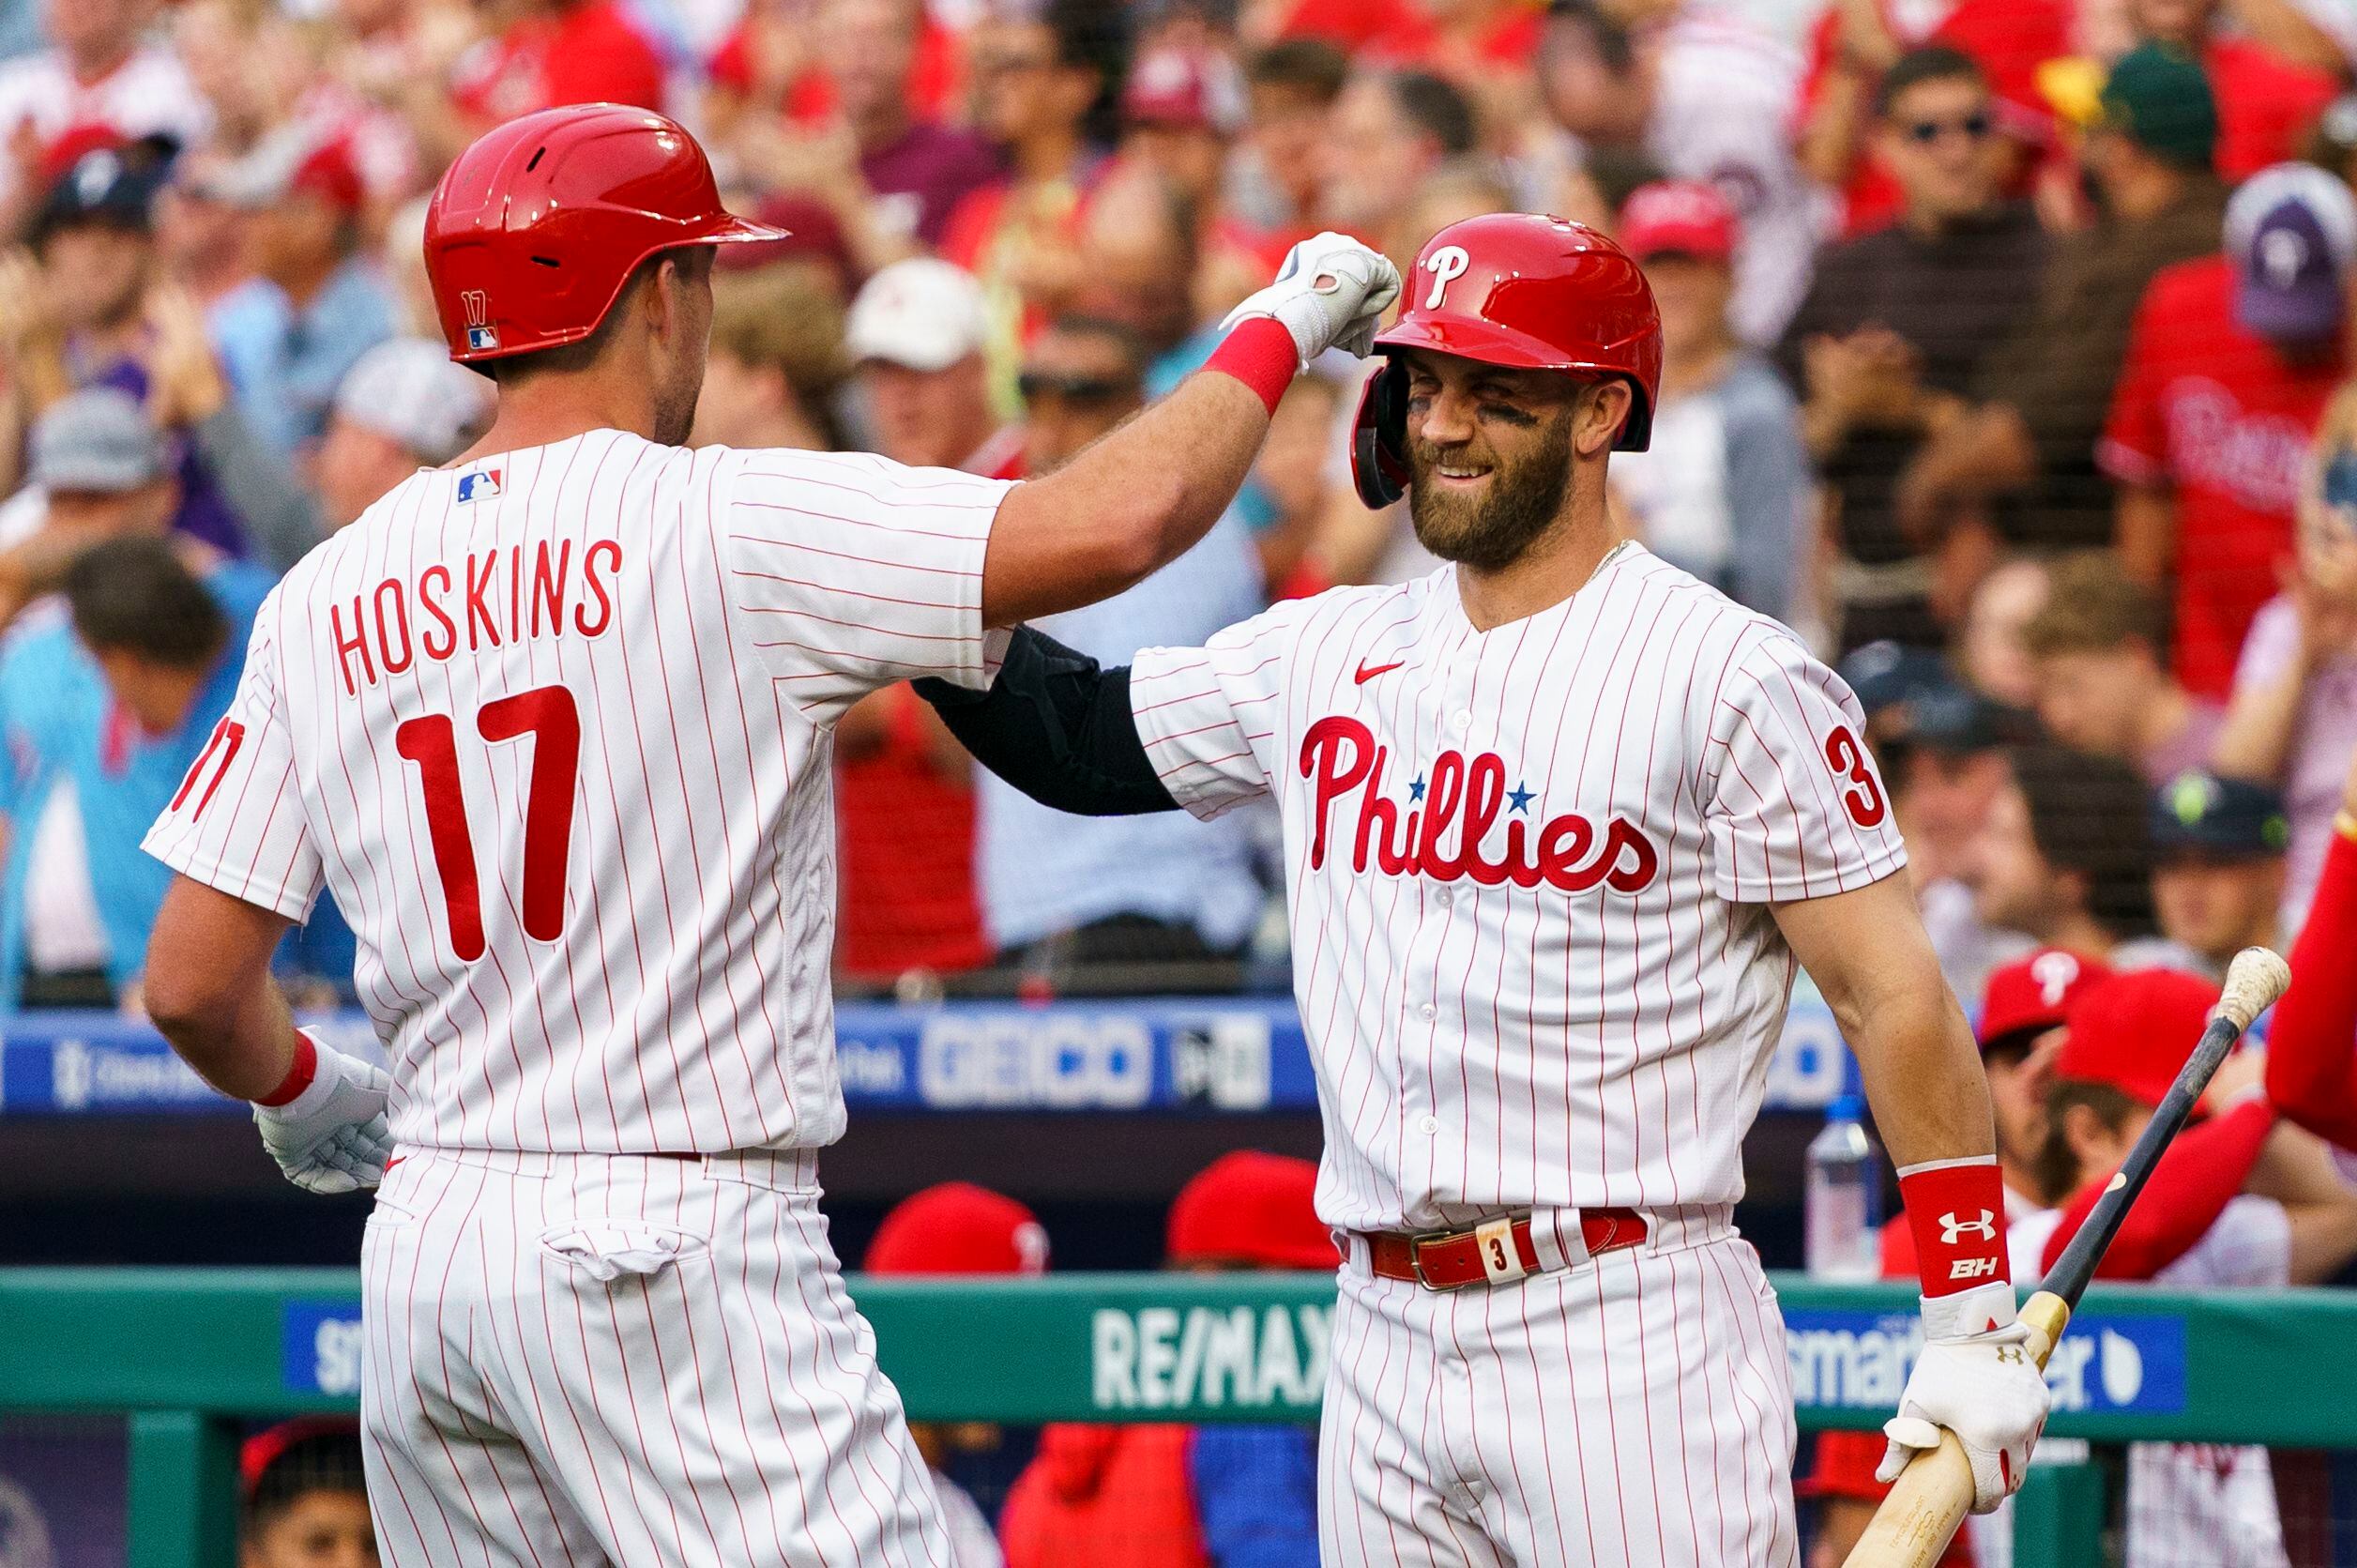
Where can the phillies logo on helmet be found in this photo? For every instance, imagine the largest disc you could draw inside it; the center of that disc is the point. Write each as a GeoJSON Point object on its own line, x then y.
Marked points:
{"type": "Point", "coordinates": [479, 333]}
{"type": "Point", "coordinates": [1446, 264]}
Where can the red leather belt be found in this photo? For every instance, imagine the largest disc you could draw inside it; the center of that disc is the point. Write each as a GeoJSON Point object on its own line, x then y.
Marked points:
{"type": "Point", "coordinates": [1496, 1252]}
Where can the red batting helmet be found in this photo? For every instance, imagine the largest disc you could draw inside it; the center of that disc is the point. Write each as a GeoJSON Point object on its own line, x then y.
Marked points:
{"type": "Point", "coordinates": [1514, 288]}
{"type": "Point", "coordinates": [535, 229]}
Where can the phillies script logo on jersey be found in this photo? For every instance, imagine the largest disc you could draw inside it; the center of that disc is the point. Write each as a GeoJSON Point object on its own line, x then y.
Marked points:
{"type": "Point", "coordinates": [1463, 800]}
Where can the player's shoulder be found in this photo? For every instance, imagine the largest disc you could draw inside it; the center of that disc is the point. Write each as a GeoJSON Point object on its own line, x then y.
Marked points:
{"type": "Point", "coordinates": [845, 482]}
{"type": "Point", "coordinates": [1718, 628]}
{"type": "Point", "coordinates": [1352, 619]}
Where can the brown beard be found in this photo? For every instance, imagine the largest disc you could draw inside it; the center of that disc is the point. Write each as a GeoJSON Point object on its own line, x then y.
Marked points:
{"type": "Point", "coordinates": [1498, 530]}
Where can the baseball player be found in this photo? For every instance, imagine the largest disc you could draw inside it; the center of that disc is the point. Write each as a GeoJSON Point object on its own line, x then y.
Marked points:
{"type": "Point", "coordinates": [1560, 820]}
{"type": "Point", "coordinates": [554, 724]}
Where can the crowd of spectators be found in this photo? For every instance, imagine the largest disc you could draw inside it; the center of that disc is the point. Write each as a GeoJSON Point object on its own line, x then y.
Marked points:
{"type": "Point", "coordinates": [2005, 347]}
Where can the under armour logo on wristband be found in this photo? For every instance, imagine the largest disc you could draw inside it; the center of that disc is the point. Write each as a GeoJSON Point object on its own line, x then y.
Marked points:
{"type": "Point", "coordinates": [1951, 1228]}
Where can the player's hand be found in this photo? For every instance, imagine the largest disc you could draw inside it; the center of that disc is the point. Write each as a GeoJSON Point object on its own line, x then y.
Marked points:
{"type": "Point", "coordinates": [1987, 1388]}
{"type": "Point", "coordinates": [332, 1137]}
{"type": "Point", "coordinates": [1328, 294]}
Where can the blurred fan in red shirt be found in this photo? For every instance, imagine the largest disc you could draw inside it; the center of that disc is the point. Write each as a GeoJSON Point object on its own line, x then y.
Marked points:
{"type": "Point", "coordinates": [2230, 365]}
{"type": "Point", "coordinates": [904, 787]}
{"type": "Point", "coordinates": [558, 51]}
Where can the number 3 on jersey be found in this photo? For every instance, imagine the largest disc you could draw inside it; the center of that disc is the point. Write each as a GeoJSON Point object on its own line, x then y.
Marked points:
{"type": "Point", "coordinates": [549, 715]}
{"type": "Point", "coordinates": [1847, 759]}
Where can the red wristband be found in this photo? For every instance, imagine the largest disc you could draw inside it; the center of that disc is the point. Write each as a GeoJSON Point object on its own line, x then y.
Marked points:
{"type": "Point", "coordinates": [1957, 1209]}
{"type": "Point", "coordinates": [1260, 353]}
{"type": "Point", "coordinates": [298, 1076]}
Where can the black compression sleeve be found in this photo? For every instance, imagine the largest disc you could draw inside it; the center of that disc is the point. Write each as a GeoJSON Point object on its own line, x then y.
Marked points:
{"type": "Point", "coordinates": [1058, 727]}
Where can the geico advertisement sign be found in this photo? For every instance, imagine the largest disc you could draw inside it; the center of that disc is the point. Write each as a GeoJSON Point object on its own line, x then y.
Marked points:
{"type": "Point", "coordinates": [1052, 1059]}
{"type": "Point", "coordinates": [1243, 1357]}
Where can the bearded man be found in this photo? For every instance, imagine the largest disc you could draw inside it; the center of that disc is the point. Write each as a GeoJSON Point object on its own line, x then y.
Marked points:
{"type": "Point", "coordinates": [1561, 821]}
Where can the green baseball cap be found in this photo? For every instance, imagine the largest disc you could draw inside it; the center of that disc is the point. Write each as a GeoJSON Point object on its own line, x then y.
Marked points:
{"type": "Point", "coordinates": [2158, 96]}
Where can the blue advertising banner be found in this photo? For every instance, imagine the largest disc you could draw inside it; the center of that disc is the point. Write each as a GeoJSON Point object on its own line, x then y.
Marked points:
{"type": "Point", "coordinates": [1853, 1358]}
{"type": "Point", "coordinates": [320, 1343]}
{"type": "Point", "coordinates": [1212, 1056]}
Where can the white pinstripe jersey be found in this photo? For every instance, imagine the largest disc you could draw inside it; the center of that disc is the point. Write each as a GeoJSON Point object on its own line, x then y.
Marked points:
{"type": "Point", "coordinates": [1528, 870]}
{"type": "Point", "coordinates": [555, 728]}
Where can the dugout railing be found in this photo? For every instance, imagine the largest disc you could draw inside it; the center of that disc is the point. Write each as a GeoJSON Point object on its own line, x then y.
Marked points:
{"type": "Point", "coordinates": [189, 1357]}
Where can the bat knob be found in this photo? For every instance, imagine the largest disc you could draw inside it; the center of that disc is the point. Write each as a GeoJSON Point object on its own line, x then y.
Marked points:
{"type": "Point", "coordinates": [2253, 981]}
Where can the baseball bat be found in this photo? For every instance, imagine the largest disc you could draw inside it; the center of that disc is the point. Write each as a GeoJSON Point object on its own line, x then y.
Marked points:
{"type": "Point", "coordinates": [1934, 1493]}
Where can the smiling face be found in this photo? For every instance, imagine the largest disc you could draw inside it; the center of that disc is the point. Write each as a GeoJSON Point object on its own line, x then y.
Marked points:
{"type": "Point", "coordinates": [1490, 451]}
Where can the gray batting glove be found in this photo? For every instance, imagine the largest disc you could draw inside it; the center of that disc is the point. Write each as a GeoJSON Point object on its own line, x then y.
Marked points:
{"type": "Point", "coordinates": [1328, 294]}
{"type": "Point", "coordinates": [1985, 1387]}
{"type": "Point", "coordinates": [332, 1137]}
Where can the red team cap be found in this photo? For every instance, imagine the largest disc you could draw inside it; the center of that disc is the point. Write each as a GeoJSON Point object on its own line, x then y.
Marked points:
{"type": "Point", "coordinates": [329, 172]}
{"type": "Point", "coordinates": [535, 229]}
{"type": "Point", "coordinates": [264, 1449]}
{"type": "Point", "coordinates": [2134, 1031]}
{"type": "Point", "coordinates": [69, 145]}
{"type": "Point", "coordinates": [958, 1228]}
{"type": "Point", "coordinates": [1252, 1208]}
{"type": "Point", "coordinates": [1516, 289]}
{"type": "Point", "coordinates": [1677, 218]}
{"type": "Point", "coordinates": [2032, 995]}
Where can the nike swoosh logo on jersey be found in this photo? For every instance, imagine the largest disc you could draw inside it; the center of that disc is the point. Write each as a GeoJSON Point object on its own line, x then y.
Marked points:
{"type": "Point", "coordinates": [1368, 672]}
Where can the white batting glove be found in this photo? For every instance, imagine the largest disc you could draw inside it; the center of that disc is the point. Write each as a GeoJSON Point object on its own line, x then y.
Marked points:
{"type": "Point", "coordinates": [332, 1137]}
{"type": "Point", "coordinates": [1984, 1386]}
{"type": "Point", "coordinates": [1328, 294]}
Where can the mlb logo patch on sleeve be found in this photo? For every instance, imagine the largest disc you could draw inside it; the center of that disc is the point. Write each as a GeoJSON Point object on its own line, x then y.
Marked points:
{"type": "Point", "coordinates": [478, 484]}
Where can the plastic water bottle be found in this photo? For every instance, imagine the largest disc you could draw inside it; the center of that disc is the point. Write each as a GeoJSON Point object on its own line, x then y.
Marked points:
{"type": "Point", "coordinates": [1845, 1197]}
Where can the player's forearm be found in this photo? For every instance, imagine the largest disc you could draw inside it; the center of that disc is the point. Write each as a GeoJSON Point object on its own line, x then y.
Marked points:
{"type": "Point", "coordinates": [1923, 1074]}
{"type": "Point", "coordinates": [242, 1045]}
{"type": "Point", "coordinates": [208, 990]}
{"type": "Point", "coordinates": [1868, 953]}
{"type": "Point", "coordinates": [1142, 495]}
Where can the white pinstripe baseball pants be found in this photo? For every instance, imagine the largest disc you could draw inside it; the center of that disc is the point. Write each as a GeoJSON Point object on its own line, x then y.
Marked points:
{"type": "Point", "coordinates": [1631, 1413]}
{"type": "Point", "coordinates": [589, 1359]}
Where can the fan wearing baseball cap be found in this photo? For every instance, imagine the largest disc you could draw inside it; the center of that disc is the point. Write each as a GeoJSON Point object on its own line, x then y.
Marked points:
{"type": "Point", "coordinates": [305, 1500]}
{"type": "Point", "coordinates": [319, 302]}
{"type": "Point", "coordinates": [958, 1228]}
{"type": "Point", "coordinates": [2230, 364]}
{"type": "Point", "coordinates": [1726, 483]}
{"type": "Point", "coordinates": [402, 407]}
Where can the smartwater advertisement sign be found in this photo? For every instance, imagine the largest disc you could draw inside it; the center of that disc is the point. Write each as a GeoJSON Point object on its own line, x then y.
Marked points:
{"type": "Point", "coordinates": [1859, 1358]}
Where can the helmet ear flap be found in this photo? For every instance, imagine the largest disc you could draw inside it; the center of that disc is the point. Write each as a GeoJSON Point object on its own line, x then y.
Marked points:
{"type": "Point", "coordinates": [1378, 442]}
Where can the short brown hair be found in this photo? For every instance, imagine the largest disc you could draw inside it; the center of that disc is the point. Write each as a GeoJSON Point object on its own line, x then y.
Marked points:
{"type": "Point", "coordinates": [581, 353]}
{"type": "Point", "coordinates": [787, 318]}
{"type": "Point", "coordinates": [134, 595]}
{"type": "Point", "coordinates": [2056, 1166]}
{"type": "Point", "coordinates": [2093, 607]}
